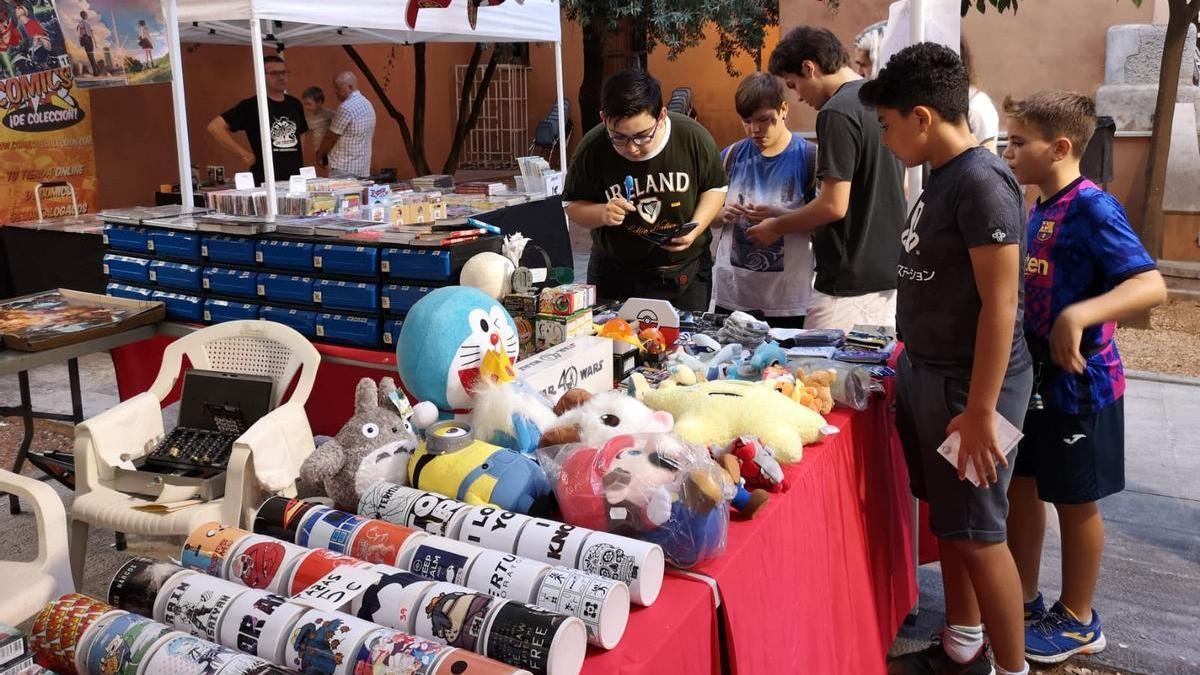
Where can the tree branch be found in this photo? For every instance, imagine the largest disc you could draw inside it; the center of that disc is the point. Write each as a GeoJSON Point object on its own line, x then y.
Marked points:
{"type": "Point", "coordinates": [465, 126]}
{"type": "Point", "coordinates": [419, 106]}
{"type": "Point", "coordinates": [410, 148]}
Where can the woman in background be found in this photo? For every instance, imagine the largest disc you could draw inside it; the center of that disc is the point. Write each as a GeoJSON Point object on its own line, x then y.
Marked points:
{"type": "Point", "coordinates": [982, 117]}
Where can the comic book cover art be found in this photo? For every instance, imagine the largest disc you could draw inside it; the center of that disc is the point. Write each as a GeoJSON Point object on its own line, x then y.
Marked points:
{"type": "Point", "coordinates": [115, 42]}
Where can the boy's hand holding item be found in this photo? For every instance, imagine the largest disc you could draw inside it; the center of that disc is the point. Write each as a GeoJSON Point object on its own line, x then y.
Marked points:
{"type": "Point", "coordinates": [615, 211]}
{"type": "Point", "coordinates": [765, 233]}
{"type": "Point", "coordinates": [975, 441]}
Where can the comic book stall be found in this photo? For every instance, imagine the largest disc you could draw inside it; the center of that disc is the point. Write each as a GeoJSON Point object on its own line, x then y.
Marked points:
{"type": "Point", "coordinates": [535, 483]}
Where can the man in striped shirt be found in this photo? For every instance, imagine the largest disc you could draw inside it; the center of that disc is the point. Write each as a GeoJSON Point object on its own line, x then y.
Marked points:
{"type": "Point", "coordinates": [347, 144]}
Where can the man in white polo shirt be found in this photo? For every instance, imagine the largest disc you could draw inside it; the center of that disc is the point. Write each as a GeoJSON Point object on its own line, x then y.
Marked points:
{"type": "Point", "coordinates": [347, 144]}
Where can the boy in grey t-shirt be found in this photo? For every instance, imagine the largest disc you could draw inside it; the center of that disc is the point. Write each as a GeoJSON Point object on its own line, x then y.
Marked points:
{"type": "Point", "coordinates": [860, 206]}
{"type": "Point", "coordinates": [965, 364]}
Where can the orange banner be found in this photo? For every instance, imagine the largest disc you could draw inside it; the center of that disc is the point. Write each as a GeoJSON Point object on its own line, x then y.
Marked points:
{"type": "Point", "coordinates": [45, 128]}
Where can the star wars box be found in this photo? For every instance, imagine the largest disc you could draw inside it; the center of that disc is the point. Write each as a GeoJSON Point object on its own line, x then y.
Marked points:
{"type": "Point", "coordinates": [585, 362]}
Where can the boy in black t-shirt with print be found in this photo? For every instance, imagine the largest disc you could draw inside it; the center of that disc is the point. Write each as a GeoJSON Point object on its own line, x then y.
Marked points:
{"type": "Point", "coordinates": [644, 172]}
{"type": "Point", "coordinates": [965, 363]}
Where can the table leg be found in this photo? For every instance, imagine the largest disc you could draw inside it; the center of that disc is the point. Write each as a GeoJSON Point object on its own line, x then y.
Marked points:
{"type": "Point", "coordinates": [76, 396]}
{"type": "Point", "coordinates": [14, 505]}
{"type": "Point", "coordinates": [916, 549]}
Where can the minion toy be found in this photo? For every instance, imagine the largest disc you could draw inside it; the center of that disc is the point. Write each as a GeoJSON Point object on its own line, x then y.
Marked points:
{"type": "Point", "coordinates": [452, 462]}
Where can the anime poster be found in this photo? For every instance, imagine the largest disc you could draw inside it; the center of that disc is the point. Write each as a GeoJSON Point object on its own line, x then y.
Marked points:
{"type": "Point", "coordinates": [114, 42]}
{"type": "Point", "coordinates": [45, 131]}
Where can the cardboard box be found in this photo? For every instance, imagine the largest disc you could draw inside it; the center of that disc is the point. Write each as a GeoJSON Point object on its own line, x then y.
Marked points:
{"type": "Point", "coordinates": [567, 299]}
{"type": "Point", "coordinates": [525, 304]}
{"type": "Point", "coordinates": [555, 330]}
{"type": "Point", "coordinates": [526, 335]}
{"type": "Point", "coordinates": [584, 362]}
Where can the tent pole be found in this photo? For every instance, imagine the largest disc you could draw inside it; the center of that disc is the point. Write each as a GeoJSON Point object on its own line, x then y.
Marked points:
{"type": "Point", "coordinates": [562, 112]}
{"type": "Point", "coordinates": [182, 147]}
{"type": "Point", "coordinates": [916, 33]}
{"type": "Point", "coordinates": [264, 121]}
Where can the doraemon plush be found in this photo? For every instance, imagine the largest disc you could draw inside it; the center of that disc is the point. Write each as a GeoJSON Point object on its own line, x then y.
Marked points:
{"type": "Point", "coordinates": [443, 343]}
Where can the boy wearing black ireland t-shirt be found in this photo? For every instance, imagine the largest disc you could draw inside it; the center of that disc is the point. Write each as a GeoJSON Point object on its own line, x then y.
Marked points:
{"type": "Point", "coordinates": [965, 364]}
{"type": "Point", "coordinates": [644, 172]}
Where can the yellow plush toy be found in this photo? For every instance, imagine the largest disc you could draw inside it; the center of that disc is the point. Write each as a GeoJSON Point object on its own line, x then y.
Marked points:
{"type": "Point", "coordinates": [719, 411]}
{"type": "Point", "coordinates": [819, 383]}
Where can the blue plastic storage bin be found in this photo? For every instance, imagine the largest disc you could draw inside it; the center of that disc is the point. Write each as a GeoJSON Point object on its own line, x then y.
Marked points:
{"type": "Point", "coordinates": [179, 276]}
{"type": "Point", "coordinates": [172, 244]}
{"type": "Point", "coordinates": [303, 321]}
{"type": "Point", "coordinates": [351, 330]}
{"type": "Point", "coordinates": [349, 295]}
{"type": "Point", "coordinates": [355, 261]}
{"type": "Point", "coordinates": [289, 255]}
{"type": "Point", "coordinates": [399, 298]}
{"type": "Point", "coordinates": [285, 288]}
{"type": "Point", "coordinates": [216, 311]}
{"type": "Point", "coordinates": [391, 331]}
{"type": "Point", "coordinates": [237, 283]}
{"type": "Point", "coordinates": [431, 264]}
{"type": "Point", "coordinates": [127, 268]}
{"type": "Point", "coordinates": [127, 238]}
{"type": "Point", "coordinates": [129, 292]}
{"type": "Point", "coordinates": [180, 306]}
{"type": "Point", "coordinates": [230, 250]}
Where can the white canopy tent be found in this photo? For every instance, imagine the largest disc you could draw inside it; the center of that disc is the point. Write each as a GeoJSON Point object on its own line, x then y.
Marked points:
{"type": "Point", "coordinates": [300, 23]}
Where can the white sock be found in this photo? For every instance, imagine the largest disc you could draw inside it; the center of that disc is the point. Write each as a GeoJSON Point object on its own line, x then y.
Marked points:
{"type": "Point", "coordinates": [962, 643]}
{"type": "Point", "coordinates": [1023, 671]}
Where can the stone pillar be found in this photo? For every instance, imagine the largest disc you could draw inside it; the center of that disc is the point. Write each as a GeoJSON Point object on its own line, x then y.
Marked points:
{"type": "Point", "coordinates": [1131, 64]}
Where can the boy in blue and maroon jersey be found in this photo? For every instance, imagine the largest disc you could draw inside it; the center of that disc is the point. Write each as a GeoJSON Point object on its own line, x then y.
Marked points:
{"type": "Point", "coordinates": [1085, 271]}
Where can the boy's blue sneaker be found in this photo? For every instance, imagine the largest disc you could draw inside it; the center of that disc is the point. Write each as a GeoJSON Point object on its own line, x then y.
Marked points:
{"type": "Point", "coordinates": [1035, 609]}
{"type": "Point", "coordinates": [1060, 635]}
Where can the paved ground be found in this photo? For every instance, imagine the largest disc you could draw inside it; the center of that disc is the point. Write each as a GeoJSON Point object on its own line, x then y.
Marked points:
{"type": "Point", "coordinates": [1150, 586]}
{"type": "Point", "coordinates": [1149, 594]}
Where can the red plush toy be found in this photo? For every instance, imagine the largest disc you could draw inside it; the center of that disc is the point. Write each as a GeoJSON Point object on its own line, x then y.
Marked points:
{"type": "Point", "coordinates": [758, 464]}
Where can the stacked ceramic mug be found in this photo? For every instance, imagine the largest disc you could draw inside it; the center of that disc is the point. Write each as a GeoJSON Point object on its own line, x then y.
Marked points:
{"type": "Point", "coordinates": [602, 603]}
{"type": "Point", "coordinates": [453, 616]}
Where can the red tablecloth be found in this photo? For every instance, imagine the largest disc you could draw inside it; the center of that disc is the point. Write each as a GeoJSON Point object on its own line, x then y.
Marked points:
{"type": "Point", "coordinates": [677, 635]}
{"type": "Point", "coordinates": [818, 582]}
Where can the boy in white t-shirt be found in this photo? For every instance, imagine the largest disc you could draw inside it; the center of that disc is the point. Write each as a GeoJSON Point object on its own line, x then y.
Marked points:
{"type": "Point", "coordinates": [771, 171]}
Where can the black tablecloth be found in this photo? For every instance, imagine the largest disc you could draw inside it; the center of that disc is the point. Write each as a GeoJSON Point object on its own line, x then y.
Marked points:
{"type": "Point", "coordinates": [38, 260]}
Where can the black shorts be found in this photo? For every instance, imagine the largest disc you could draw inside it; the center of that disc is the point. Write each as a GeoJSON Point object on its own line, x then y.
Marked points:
{"type": "Point", "coordinates": [686, 285]}
{"type": "Point", "coordinates": [1076, 459]}
{"type": "Point", "coordinates": [926, 402]}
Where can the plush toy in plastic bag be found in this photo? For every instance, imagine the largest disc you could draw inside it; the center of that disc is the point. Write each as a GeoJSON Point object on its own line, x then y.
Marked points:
{"type": "Point", "coordinates": [652, 487]}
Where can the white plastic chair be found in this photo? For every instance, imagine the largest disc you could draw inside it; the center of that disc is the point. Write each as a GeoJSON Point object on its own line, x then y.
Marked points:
{"type": "Point", "coordinates": [30, 585]}
{"type": "Point", "coordinates": [265, 459]}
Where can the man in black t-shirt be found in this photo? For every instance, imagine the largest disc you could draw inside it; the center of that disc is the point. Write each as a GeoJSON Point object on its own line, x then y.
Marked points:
{"type": "Point", "coordinates": [858, 213]}
{"type": "Point", "coordinates": [286, 116]}
{"type": "Point", "coordinates": [634, 181]}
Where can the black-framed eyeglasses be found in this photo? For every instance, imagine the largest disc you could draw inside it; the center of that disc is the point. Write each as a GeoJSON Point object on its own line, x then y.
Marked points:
{"type": "Point", "coordinates": [639, 139]}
